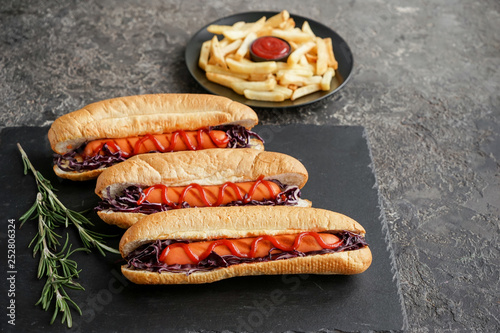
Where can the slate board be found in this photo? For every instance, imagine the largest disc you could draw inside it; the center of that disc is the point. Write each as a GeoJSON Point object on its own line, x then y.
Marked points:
{"type": "Point", "coordinates": [340, 179]}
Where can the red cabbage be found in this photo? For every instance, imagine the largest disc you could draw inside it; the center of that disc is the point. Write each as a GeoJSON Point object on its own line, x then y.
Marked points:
{"type": "Point", "coordinates": [68, 161]}
{"type": "Point", "coordinates": [239, 137]}
{"type": "Point", "coordinates": [147, 256]}
{"type": "Point", "coordinates": [127, 201]}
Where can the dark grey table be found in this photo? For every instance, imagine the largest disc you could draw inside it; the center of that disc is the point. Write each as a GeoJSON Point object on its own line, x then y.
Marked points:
{"type": "Point", "coordinates": [425, 88]}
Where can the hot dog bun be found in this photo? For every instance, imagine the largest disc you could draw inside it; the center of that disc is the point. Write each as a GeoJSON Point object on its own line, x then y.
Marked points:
{"type": "Point", "coordinates": [140, 115]}
{"type": "Point", "coordinates": [205, 167]}
{"type": "Point", "coordinates": [239, 222]}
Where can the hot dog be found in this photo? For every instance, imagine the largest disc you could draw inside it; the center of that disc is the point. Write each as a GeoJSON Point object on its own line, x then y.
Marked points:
{"type": "Point", "coordinates": [105, 133]}
{"type": "Point", "coordinates": [151, 183]}
{"type": "Point", "coordinates": [251, 247]}
{"type": "Point", "coordinates": [203, 245]}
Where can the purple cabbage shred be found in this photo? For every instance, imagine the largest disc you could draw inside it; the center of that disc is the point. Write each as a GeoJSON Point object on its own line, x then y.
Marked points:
{"type": "Point", "coordinates": [239, 136]}
{"type": "Point", "coordinates": [147, 256]}
{"type": "Point", "coordinates": [68, 161]}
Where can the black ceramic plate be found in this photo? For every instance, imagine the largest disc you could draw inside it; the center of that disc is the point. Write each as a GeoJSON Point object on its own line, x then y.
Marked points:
{"type": "Point", "coordinates": [340, 48]}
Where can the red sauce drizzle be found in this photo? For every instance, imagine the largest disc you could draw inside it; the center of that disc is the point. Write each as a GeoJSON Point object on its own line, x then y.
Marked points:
{"type": "Point", "coordinates": [177, 135]}
{"type": "Point", "coordinates": [146, 137]}
{"type": "Point", "coordinates": [253, 249]}
{"type": "Point", "coordinates": [259, 180]}
{"type": "Point", "coordinates": [222, 190]}
{"type": "Point", "coordinates": [111, 144]}
{"type": "Point", "coordinates": [203, 194]}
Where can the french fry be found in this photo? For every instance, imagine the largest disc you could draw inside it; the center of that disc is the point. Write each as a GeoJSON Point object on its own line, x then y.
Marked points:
{"type": "Point", "coordinates": [288, 24]}
{"type": "Point", "coordinates": [332, 62]}
{"type": "Point", "coordinates": [292, 35]}
{"type": "Point", "coordinates": [276, 20]}
{"type": "Point", "coordinates": [242, 32]}
{"type": "Point", "coordinates": [299, 52]}
{"type": "Point", "coordinates": [204, 54]}
{"type": "Point", "coordinates": [235, 34]}
{"type": "Point", "coordinates": [224, 42]}
{"type": "Point", "coordinates": [258, 25]}
{"type": "Point", "coordinates": [293, 45]}
{"type": "Point", "coordinates": [265, 31]}
{"type": "Point", "coordinates": [258, 77]}
{"type": "Point", "coordinates": [284, 90]}
{"type": "Point", "coordinates": [305, 90]}
{"type": "Point", "coordinates": [270, 96]}
{"type": "Point", "coordinates": [245, 60]}
{"type": "Point", "coordinates": [304, 60]}
{"type": "Point", "coordinates": [223, 80]}
{"type": "Point", "coordinates": [307, 29]}
{"type": "Point", "coordinates": [285, 66]}
{"type": "Point", "coordinates": [240, 86]}
{"type": "Point", "coordinates": [231, 47]}
{"type": "Point", "coordinates": [298, 71]}
{"type": "Point", "coordinates": [245, 45]}
{"type": "Point", "coordinates": [218, 29]}
{"type": "Point", "coordinates": [298, 80]}
{"type": "Point", "coordinates": [239, 25]}
{"type": "Point", "coordinates": [322, 56]}
{"type": "Point", "coordinates": [326, 80]}
{"type": "Point", "coordinates": [265, 67]}
{"type": "Point", "coordinates": [310, 58]}
{"type": "Point", "coordinates": [216, 57]}
{"type": "Point", "coordinates": [219, 70]}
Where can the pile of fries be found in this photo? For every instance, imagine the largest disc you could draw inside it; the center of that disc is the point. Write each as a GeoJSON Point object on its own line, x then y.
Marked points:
{"type": "Point", "coordinates": [309, 68]}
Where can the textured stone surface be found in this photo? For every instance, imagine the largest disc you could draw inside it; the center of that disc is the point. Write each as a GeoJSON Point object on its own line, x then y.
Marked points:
{"type": "Point", "coordinates": [425, 87]}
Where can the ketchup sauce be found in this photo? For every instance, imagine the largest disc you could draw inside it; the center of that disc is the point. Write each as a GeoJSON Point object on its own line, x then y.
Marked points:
{"type": "Point", "coordinates": [270, 48]}
{"type": "Point", "coordinates": [253, 248]}
{"type": "Point", "coordinates": [245, 198]}
{"type": "Point", "coordinates": [134, 149]}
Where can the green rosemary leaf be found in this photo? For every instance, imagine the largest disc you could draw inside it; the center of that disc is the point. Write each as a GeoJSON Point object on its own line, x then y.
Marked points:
{"type": "Point", "coordinates": [77, 308]}
{"type": "Point", "coordinates": [76, 286]}
{"type": "Point", "coordinates": [26, 216]}
{"type": "Point", "coordinates": [57, 309]}
{"type": "Point", "coordinates": [79, 218]}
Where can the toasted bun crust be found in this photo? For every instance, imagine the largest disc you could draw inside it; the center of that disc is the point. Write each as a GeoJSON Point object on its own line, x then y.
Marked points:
{"type": "Point", "coordinates": [77, 176]}
{"type": "Point", "coordinates": [138, 115]}
{"type": "Point", "coordinates": [204, 167]}
{"type": "Point", "coordinates": [238, 222]}
{"type": "Point", "coordinates": [346, 263]}
{"type": "Point", "coordinates": [233, 222]}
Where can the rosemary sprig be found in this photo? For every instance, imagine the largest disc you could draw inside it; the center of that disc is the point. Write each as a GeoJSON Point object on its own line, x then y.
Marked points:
{"type": "Point", "coordinates": [49, 265]}
{"type": "Point", "coordinates": [59, 270]}
{"type": "Point", "coordinates": [59, 213]}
